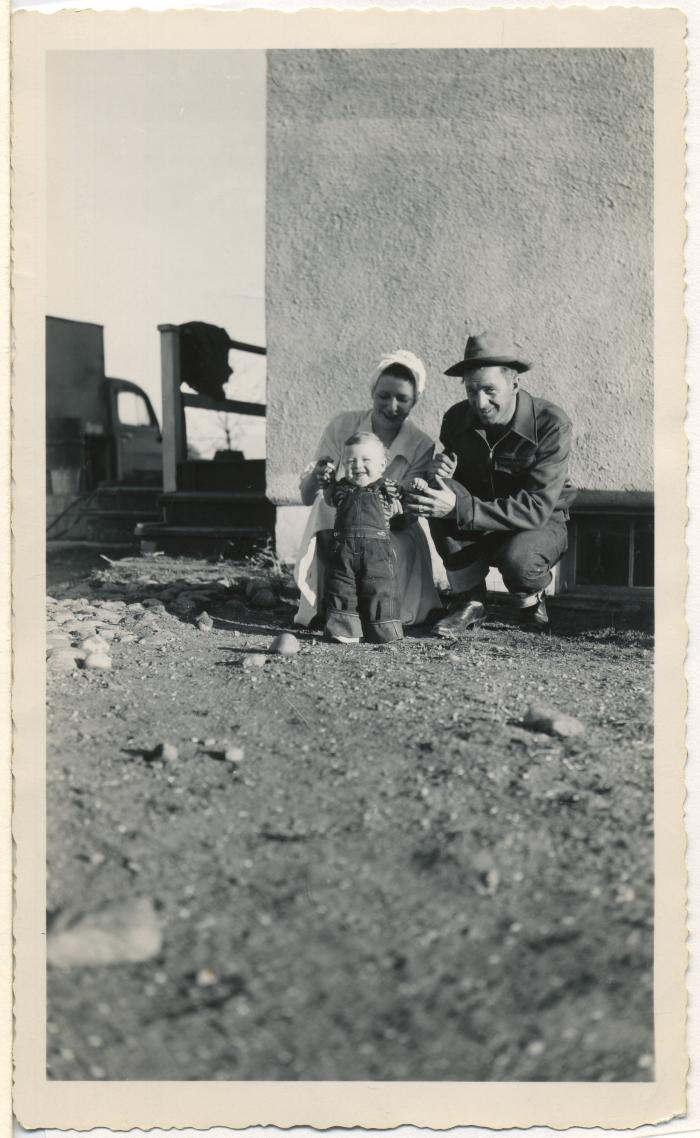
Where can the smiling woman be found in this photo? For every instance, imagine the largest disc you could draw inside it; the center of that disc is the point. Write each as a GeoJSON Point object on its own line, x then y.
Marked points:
{"type": "Point", "coordinates": [396, 384]}
{"type": "Point", "coordinates": [393, 399]}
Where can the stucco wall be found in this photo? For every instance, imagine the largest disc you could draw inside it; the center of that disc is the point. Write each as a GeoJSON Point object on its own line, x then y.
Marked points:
{"type": "Point", "coordinates": [414, 196]}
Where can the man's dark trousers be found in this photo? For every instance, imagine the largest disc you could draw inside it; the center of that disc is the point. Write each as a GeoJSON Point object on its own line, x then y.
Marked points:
{"type": "Point", "coordinates": [524, 558]}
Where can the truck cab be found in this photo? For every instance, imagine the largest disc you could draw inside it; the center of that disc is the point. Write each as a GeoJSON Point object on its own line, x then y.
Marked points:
{"type": "Point", "coordinates": [135, 435]}
{"type": "Point", "coordinates": [98, 429]}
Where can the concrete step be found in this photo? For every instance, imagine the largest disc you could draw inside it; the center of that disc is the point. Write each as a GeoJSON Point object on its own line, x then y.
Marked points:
{"type": "Point", "coordinates": [134, 516]}
{"type": "Point", "coordinates": [208, 474]}
{"type": "Point", "coordinates": [247, 508]}
{"type": "Point", "coordinates": [116, 497]}
{"type": "Point", "coordinates": [231, 541]}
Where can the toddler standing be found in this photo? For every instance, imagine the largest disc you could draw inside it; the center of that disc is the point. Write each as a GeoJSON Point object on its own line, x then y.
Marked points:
{"type": "Point", "coordinates": [361, 580]}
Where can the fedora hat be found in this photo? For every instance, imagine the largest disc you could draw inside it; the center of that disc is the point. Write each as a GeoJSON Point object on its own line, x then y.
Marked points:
{"type": "Point", "coordinates": [486, 350]}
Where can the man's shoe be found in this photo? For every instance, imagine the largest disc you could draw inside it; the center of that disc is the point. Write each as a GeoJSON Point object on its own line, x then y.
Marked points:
{"type": "Point", "coordinates": [465, 612]}
{"type": "Point", "coordinates": [534, 617]}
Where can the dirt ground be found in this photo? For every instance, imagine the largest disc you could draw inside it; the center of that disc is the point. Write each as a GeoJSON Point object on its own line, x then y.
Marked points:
{"type": "Point", "coordinates": [395, 879]}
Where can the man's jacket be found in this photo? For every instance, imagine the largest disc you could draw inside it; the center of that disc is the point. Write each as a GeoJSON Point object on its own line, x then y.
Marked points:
{"type": "Point", "coordinates": [521, 480]}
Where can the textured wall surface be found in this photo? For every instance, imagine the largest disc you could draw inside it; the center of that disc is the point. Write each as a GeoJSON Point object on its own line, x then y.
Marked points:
{"type": "Point", "coordinates": [415, 196]}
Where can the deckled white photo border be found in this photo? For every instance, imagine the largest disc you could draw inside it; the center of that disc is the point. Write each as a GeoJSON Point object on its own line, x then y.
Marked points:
{"type": "Point", "coordinates": [41, 1103]}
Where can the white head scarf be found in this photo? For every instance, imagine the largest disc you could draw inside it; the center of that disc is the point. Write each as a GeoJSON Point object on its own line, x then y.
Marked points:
{"type": "Point", "coordinates": [405, 359]}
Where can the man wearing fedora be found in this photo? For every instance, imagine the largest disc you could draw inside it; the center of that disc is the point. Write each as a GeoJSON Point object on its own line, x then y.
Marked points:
{"type": "Point", "coordinates": [500, 493]}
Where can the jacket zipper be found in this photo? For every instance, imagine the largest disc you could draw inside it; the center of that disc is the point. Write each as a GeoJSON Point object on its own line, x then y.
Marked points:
{"type": "Point", "coordinates": [490, 462]}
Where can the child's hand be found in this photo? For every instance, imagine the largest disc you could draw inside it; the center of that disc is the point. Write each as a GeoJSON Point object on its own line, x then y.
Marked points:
{"type": "Point", "coordinates": [442, 466]}
{"type": "Point", "coordinates": [323, 471]}
{"type": "Point", "coordinates": [419, 484]}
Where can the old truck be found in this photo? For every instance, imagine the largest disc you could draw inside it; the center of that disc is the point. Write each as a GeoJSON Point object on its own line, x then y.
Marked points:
{"type": "Point", "coordinates": [103, 441]}
{"type": "Point", "coordinates": [111, 473]}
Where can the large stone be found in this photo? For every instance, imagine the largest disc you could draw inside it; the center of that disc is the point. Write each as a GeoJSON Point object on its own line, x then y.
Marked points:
{"type": "Point", "coordinates": [62, 659]}
{"type": "Point", "coordinates": [126, 932]}
{"type": "Point", "coordinates": [552, 722]}
{"type": "Point", "coordinates": [264, 599]}
{"type": "Point", "coordinates": [56, 640]}
{"type": "Point", "coordinates": [109, 617]}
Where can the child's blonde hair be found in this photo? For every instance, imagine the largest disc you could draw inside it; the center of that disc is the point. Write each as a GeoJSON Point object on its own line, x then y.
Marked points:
{"type": "Point", "coordinates": [365, 436]}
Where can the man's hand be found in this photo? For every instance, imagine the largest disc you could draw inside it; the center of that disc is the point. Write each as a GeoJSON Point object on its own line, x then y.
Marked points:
{"type": "Point", "coordinates": [438, 503]}
{"type": "Point", "coordinates": [442, 466]}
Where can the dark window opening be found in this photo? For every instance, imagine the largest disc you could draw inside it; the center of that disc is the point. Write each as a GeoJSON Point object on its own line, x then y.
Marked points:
{"type": "Point", "coordinates": [615, 550]}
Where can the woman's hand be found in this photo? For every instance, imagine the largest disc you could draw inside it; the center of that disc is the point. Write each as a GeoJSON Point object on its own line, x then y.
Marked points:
{"type": "Point", "coordinates": [442, 466]}
{"type": "Point", "coordinates": [437, 503]}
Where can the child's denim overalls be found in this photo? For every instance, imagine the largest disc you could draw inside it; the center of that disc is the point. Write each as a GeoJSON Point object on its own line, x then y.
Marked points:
{"type": "Point", "coordinates": [361, 582]}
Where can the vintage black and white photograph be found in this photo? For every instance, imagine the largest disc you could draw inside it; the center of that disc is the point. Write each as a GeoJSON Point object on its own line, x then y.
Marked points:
{"type": "Point", "coordinates": [350, 561]}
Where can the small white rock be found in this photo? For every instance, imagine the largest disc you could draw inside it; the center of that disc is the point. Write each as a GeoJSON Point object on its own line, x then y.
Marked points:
{"type": "Point", "coordinates": [255, 660]}
{"type": "Point", "coordinates": [98, 660]}
{"type": "Point", "coordinates": [165, 750]}
{"type": "Point", "coordinates": [286, 644]}
{"type": "Point", "coordinates": [95, 644]}
{"type": "Point", "coordinates": [234, 754]}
